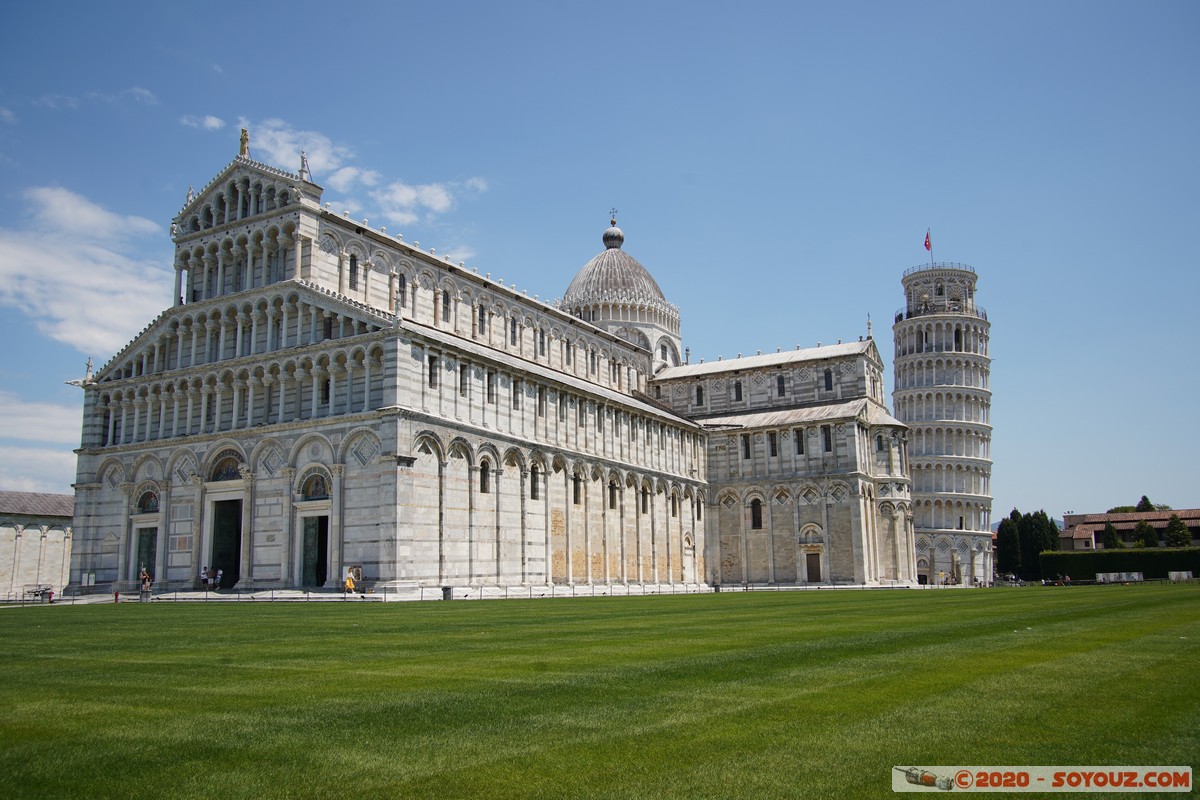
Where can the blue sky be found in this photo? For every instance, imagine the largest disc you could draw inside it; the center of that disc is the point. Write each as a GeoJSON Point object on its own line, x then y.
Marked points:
{"type": "Point", "coordinates": [775, 166]}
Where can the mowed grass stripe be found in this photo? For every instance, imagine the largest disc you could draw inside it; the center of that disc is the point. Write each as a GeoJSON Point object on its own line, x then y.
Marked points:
{"type": "Point", "coordinates": [781, 694]}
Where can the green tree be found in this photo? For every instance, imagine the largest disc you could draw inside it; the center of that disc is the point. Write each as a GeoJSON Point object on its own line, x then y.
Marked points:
{"type": "Point", "coordinates": [1008, 548]}
{"type": "Point", "coordinates": [1144, 504]}
{"type": "Point", "coordinates": [1144, 533]}
{"type": "Point", "coordinates": [1111, 539]}
{"type": "Point", "coordinates": [1178, 534]}
{"type": "Point", "coordinates": [1035, 532]}
{"type": "Point", "coordinates": [1122, 510]}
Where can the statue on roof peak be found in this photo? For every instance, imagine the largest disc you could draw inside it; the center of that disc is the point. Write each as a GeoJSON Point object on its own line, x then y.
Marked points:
{"type": "Point", "coordinates": [245, 148]}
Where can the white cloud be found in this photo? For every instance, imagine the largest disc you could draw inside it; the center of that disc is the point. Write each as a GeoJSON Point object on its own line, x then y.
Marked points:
{"type": "Point", "coordinates": [275, 142]}
{"type": "Point", "coordinates": [6, 115]}
{"type": "Point", "coordinates": [344, 179]}
{"type": "Point", "coordinates": [63, 211]}
{"type": "Point", "coordinates": [75, 272]}
{"type": "Point", "coordinates": [141, 95]}
{"type": "Point", "coordinates": [57, 101]}
{"type": "Point", "coordinates": [396, 202]}
{"type": "Point", "coordinates": [30, 469]}
{"type": "Point", "coordinates": [460, 253]}
{"type": "Point", "coordinates": [136, 93]}
{"type": "Point", "coordinates": [403, 203]}
{"type": "Point", "coordinates": [40, 422]}
{"type": "Point", "coordinates": [208, 122]}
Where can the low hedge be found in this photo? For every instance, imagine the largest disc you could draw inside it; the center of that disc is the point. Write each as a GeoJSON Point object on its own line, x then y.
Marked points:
{"type": "Point", "coordinates": [1151, 562]}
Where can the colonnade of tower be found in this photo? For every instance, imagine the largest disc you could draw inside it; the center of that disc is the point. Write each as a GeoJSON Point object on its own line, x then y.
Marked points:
{"type": "Point", "coordinates": [942, 368]}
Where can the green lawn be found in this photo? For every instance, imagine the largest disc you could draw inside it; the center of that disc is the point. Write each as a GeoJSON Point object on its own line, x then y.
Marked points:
{"type": "Point", "coordinates": [789, 694]}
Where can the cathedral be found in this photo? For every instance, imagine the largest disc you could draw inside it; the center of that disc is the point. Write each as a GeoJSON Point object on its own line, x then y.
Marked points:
{"type": "Point", "coordinates": [321, 397]}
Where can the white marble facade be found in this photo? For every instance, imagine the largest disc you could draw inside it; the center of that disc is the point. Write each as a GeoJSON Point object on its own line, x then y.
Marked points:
{"type": "Point", "coordinates": [322, 395]}
{"type": "Point", "coordinates": [807, 470]}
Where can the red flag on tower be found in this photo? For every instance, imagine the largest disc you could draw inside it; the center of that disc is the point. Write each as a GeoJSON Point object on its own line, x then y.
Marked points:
{"type": "Point", "coordinates": [928, 243]}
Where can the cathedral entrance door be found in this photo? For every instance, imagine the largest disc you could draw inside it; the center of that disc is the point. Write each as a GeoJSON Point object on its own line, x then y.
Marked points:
{"type": "Point", "coordinates": [314, 567]}
{"type": "Point", "coordinates": [147, 542]}
{"type": "Point", "coordinates": [813, 565]}
{"type": "Point", "coordinates": [227, 540]}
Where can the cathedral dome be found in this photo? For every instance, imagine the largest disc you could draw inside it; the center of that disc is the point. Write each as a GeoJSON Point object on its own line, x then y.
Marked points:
{"type": "Point", "coordinates": [613, 276]}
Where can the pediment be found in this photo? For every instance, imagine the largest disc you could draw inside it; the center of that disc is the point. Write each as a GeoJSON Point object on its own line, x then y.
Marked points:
{"type": "Point", "coordinates": [265, 189]}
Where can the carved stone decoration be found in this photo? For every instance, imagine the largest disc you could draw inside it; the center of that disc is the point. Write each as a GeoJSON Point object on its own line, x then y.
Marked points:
{"type": "Point", "coordinates": [271, 461]}
{"type": "Point", "coordinates": [365, 450]}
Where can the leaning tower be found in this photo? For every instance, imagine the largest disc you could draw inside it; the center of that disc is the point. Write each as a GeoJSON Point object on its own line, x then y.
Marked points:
{"type": "Point", "coordinates": [942, 368]}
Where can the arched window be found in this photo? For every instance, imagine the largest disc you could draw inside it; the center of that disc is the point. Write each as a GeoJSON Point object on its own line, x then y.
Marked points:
{"type": "Point", "coordinates": [779, 385]}
{"type": "Point", "coordinates": [512, 332]}
{"type": "Point", "coordinates": [699, 395]}
{"type": "Point", "coordinates": [148, 503]}
{"type": "Point", "coordinates": [828, 380]}
{"type": "Point", "coordinates": [445, 305]}
{"type": "Point", "coordinates": [879, 442]}
{"type": "Point", "coordinates": [576, 489]}
{"type": "Point", "coordinates": [228, 467]}
{"type": "Point", "coordinates": [535, 475]}
{"type": "Point", "coordinates": [612, 494]}
{"type": "Point", "coordinates": [316, 487]}
{"type": "Point", "coordinates": [401, 289]}
{"type": "Point", "coordinates": [482, 321]}
{"type": "Point", "coordinates": [737, 390]}
{"type": "Point", "coordinates": [485, 478]}
{"type": "Point", "coordinates": [645, 500]}
{"type": "Point", "coordinates": [756, 514]}
{"type": "Point", "coordinates": [353, 272]}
